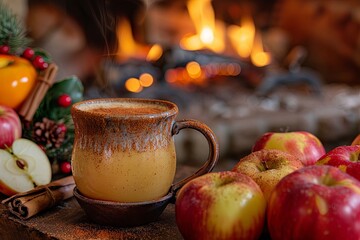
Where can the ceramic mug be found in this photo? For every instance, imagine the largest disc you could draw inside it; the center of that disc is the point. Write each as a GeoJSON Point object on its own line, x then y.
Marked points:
{"type": "Point", "coordinates": [124, 148]}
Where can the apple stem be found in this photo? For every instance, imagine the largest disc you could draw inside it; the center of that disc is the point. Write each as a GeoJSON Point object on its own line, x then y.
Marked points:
{"type": "Point", "coordinates": [328, 180]}
{"type": "Point", "coordinates": [264, 166]}
{"type": "Point", "coordinates": [261, 167]}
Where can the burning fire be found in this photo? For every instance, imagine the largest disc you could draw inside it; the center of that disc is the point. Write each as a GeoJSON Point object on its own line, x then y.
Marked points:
{"type": "Point", "coordinates": [242, 37]}
{"type": "Point", "coordinates": [258, 56]}
{"type": "Point", "coordinates": [129, 48]}
{"type": "Point", "coordinates": [209, 33]}
{"type": "Point", "coordinates": [248, 42]}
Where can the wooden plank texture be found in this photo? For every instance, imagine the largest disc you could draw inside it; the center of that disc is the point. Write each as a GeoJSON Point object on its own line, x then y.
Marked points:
{"type": "Point", "coordinates": [68, 221]}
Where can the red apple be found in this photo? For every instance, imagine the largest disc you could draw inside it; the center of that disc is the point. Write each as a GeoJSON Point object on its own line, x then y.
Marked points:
{"type": "Point", "coordinates": [303, 145]}
{"type": "Point", "coordinates": [222, 205]}
{"type": "Point", "coordinates": [23, 167]}
{"type": "Point", "coordinates": [267, 167]}
{"type": "Point", "coordinates": [315, 202]}
{"type": "Point", "coordinates": [10, 126]}
{"type": "Point", "coordinates": [356, 140]}
{"type": "Point", "coordinates": [346, 158]}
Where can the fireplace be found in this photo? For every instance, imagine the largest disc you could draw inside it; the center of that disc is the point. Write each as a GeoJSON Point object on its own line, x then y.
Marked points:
{"type": "Point", "coordinates": [243, 67]}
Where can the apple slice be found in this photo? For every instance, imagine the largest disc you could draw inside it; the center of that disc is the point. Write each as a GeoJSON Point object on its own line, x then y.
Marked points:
{"type": "Point", "coordinates": [26, 167]}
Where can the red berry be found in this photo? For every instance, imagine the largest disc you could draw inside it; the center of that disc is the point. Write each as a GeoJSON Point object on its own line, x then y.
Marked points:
{"type": "Point", "coordinates": [40, 63]}
{"type": "Point", "coordinates": [64, 100]}
{"type": "Point", "coordinates": [61, 128]}
{"type": "Point", "coordinates": [44, 66]}
{"type": "Point", "coordinates": [4, 49]}
{"type": "Point", "coordinates": [28, 53]}
{"type": "Point", "coordinates": [38, 60]}
{"type": "Point", "coordinates": [65, 167]}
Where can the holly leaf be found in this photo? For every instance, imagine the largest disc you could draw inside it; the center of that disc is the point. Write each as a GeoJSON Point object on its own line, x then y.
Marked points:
{"type": "Point", "coordinates": [42, 53]}
{"type": "Point", "coordinates": [50, 108]}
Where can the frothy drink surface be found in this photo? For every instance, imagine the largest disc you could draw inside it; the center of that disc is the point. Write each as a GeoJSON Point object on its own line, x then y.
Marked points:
{"type": "Point", "coordinates": [123, 108]}
{"type": "Point", "coordinates": [127, 110]}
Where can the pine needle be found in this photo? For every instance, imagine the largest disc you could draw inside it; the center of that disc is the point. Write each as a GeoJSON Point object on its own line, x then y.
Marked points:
{"type": "Point", "coordinates": [12, 33]}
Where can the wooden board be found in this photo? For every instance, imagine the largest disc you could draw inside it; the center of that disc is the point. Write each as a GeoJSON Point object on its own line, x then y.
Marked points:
{"type": "Point", "coordinates": [68, 221]}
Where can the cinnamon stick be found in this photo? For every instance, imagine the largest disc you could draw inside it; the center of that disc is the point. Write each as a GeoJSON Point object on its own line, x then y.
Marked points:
{"type": "Point", "coordinates": [27, 204]}
{"type": "Point", "coordinates": [32, 102]}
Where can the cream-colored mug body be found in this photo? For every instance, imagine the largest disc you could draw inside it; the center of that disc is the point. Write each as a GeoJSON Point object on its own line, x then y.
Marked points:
{"type": "Point", "coordinates": [124, 148]}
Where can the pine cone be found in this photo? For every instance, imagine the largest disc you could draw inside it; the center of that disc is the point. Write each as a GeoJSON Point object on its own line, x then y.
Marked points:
{"type": "Point", "coordinates": [49, 133]}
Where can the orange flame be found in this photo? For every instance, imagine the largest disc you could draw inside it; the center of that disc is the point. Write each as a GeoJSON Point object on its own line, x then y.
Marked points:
{"type": "Point", "coordinates": [154, 53]}
{"type": "Point", "coordinates": [248, 42]}
{"type": "Point", "coordinates": [259, 57]}
{"type": "Point", "coordinates": [209, 33]}
{"type": "Point", "coordinates": [242, 37]}
{"type": "Point", "coordinates": [129, 48]}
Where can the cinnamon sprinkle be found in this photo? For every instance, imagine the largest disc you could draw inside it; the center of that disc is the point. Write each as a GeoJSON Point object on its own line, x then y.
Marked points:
{"type": "Point", "coordinates": [127, 110]}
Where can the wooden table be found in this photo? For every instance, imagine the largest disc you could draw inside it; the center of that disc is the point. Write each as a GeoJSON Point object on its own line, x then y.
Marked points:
{"type": "Point", "coordinates": [68, 221]}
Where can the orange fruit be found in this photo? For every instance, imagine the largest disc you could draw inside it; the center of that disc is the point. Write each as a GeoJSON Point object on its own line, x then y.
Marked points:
{"type": "Point", "coordinates": [17, 78]}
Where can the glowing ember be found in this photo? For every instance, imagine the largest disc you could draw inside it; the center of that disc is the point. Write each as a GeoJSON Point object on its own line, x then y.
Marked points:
{"type": "Point", "coordinates": [146, 80]}
{"type": "Point", "coordinates": [196, 75]}
{"type": "Point", "coordinates": [193, 69]}
{"type": "Point", "coordinates": [137, 85]}
{"type": "Point", "coordinates": [258, 57]}
{"type": "Point", "coordinates": [133, 85]}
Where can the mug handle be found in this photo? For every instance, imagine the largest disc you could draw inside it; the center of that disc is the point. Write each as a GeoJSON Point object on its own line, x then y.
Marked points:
{"type": "Point", "coordinates": [213, 149]}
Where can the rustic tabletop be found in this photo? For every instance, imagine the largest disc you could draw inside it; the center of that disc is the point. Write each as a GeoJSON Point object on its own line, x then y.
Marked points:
{"type": "Point", "coordinates": [68, 221]}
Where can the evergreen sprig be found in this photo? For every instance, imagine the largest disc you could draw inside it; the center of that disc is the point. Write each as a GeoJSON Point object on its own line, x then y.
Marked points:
{"type": "Point", "coordinates": [12, 33]}
{"type": "Point", "coordinates": [50, 109]}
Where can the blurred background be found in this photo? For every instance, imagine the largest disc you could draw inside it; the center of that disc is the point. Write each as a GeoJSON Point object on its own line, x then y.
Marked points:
{"type": "Point", "coordinates": [243, 67]}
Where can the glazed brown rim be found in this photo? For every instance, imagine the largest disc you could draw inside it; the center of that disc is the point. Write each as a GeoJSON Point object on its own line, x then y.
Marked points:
{"type": "Point", "coordinates": [172, 108]}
